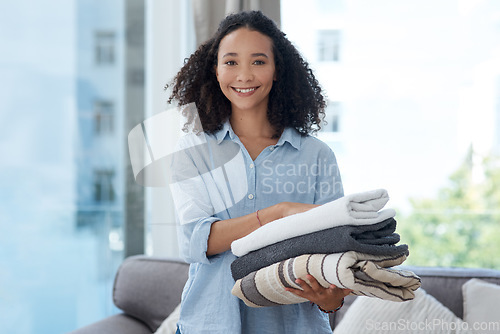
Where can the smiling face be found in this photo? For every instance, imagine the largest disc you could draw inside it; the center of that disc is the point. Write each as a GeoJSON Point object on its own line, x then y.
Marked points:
{"type": "Point", "coordinates": [246, 70]}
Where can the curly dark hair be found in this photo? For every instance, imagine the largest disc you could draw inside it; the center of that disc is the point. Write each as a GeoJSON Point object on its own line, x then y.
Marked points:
{"type": "Point", "coordinates": [295, 100]}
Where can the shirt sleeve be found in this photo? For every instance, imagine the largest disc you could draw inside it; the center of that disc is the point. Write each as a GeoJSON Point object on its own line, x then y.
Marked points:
{"type": "Point", "coordinates": [193, 205]}
{"type": "Point", "coordinates": [329, 182]}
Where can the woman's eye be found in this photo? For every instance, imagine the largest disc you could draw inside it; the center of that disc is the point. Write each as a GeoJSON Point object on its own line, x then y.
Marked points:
{"type": "Point", "coordinates": [259, 62]}
{"type": "Point", "coordinates": [230, 62]}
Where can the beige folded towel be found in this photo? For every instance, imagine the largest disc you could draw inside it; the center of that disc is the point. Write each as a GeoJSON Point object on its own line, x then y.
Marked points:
{"type": "Point", "coordinates": [365, 274]}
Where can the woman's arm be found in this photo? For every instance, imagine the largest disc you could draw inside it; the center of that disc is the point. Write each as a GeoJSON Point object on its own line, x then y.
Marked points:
{"type": "Point", "coordinates": [224, 232]}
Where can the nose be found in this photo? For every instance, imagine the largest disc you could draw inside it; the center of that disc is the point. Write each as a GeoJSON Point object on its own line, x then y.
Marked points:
{"type": "Point", "coordinates": [245, 74]}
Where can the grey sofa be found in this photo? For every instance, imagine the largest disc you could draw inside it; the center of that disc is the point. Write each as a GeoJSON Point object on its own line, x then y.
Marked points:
{"type": "Point", "coordinates": [147, 289]}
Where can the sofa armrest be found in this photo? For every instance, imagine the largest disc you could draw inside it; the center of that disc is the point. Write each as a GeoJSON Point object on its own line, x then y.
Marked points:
{"type": "Point", "coordinates": [119, 323]}
{"type": "Point", "coordinates": [149, 288]}
{"type": "Point", "coordinates": [445, 284]}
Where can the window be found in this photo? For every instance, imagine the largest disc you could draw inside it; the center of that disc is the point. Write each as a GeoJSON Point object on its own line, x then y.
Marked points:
{"type": "Point", "coordinates": [419, 115]}
{"type": "Point", "coordinates": [62, 184]}
{"type": "Point", "coordinates": [332, 117]}
{"type": "Point", "coordinates": [103, 117]}
{"type": "Point", "coordinates": [103, 186]}
{"type": "Point", "coordinates": [136, 77]}
{"type": "Point", "coordinates": [104, 47]}
{"type": "Point", "coordinates": [328, 45]}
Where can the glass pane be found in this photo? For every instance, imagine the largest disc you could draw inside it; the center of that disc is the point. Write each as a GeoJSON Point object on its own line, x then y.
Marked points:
{"type": "Point", "coordinates": [419, 88]}
{"type": "Point", "coordinates": [62, 162]}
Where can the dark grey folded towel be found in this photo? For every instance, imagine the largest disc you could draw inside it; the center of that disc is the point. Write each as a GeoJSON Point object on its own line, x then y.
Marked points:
{"type": "Point", "coordinates": [374, 239]}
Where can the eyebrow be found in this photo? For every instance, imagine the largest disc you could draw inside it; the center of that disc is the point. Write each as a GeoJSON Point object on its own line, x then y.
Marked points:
{"type": "Point", "coordinates": [234, 54]}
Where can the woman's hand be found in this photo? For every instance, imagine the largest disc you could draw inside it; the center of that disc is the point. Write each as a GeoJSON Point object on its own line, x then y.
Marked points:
{"type": "Point", "coordinates": [291, 208]}
{"type": "Point", "coordinates": [282, 210]}
{"type": "Point", "coordinates": [327, 298]}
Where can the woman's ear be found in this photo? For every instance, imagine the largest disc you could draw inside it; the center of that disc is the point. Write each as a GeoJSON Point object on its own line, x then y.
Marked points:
{"type": "Point", "coordinates": [216, 72]}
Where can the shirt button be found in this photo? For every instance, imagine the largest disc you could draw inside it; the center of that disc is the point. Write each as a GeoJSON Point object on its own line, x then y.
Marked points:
{"type": "Point", "coordinates": [271, 148]}
{"type": "Point", "coordinates": [250, 196]}
{"type": "Point", "coordinates": [251, 165]}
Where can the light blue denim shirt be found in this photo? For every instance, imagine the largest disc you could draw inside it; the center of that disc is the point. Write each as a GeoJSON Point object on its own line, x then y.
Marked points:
{"type": "Point", "coordinates": [214, 178]}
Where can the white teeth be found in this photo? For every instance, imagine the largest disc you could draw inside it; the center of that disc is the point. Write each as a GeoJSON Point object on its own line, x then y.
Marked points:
{"type": "Point", "coordinates": [247, 90]}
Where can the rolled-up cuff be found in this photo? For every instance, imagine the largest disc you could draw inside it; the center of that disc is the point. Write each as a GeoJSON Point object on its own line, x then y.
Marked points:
{"type": "Point", "coordinates": [199, 240]}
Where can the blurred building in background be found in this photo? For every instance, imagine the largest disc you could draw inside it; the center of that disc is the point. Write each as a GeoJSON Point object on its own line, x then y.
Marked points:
{"type": "Point", "coordinates": [100, 145]}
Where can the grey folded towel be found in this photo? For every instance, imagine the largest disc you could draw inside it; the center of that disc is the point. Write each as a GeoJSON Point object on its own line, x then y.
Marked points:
{"type": "Point", "coordinates": [374, 239]}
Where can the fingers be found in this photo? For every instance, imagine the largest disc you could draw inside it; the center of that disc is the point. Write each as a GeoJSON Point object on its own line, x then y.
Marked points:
{"type": "Point", "coordinates": [314, 288]}
{"type": "Point", "coordinates": [306, 289]}
{"type": "Point", "coordinates": [297, 292]}
{"type": "Point", "coordinates": [312, 284]}
{"type": "Point", "coordinates": [309, 290]}
{"type": "Point", "coordinates": [343, 292]}
{"type": "Point", "coordinates": [327, 298]}
{"type": "Point", "coordinates": [346, 292]}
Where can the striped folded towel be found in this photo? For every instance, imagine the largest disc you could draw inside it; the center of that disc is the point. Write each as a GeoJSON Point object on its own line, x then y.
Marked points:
{"type": "Point", "coordinates": [365, 274]}
{"type": "Point", "coordinates": [356, 209]}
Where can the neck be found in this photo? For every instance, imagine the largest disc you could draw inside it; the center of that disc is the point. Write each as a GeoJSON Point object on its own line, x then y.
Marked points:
{"type": "Point", "coordinates": [251, 125]}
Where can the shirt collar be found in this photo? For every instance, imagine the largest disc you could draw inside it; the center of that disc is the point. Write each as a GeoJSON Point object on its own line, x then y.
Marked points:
{"type": "Point", "coordinates": [289, 135]}
{"type": "Point", "coordinates": [226, 130]}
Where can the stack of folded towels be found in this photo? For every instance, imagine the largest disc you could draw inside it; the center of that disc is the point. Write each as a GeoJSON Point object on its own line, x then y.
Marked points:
{"type": "Point", "coordinates": [349, 242]}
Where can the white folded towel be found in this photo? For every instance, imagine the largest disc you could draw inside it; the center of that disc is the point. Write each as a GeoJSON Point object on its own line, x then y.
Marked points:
{"type": "Point", "coordinates": [355, 209]}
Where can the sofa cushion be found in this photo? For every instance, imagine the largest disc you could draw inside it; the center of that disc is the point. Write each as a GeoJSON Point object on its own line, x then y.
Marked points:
{"type": "Point", "coordinates": [169, 325]}
{"type": "Point", "coordinates": [149, 288]}
{"type": "Point", "coordinates": [424, 314]}
{"type": "Point", "coordinates": [481, 305]}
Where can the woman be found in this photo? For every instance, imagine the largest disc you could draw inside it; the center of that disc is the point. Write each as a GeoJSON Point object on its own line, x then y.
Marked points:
{"type": "Point", "coordinates": [255, 162]}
